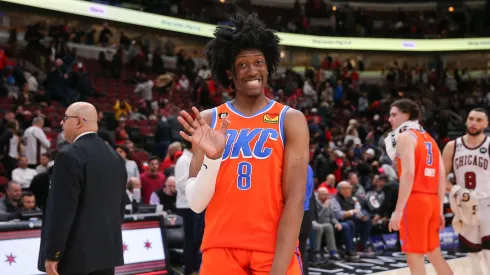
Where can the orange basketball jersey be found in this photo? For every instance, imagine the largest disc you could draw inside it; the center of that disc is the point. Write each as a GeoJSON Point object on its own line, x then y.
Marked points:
{"type": "Point", "coordinates": [426, 179]}
{"type": "Point", "coordinates": [247, 204]}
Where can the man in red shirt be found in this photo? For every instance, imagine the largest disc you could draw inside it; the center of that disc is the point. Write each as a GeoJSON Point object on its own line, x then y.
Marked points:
{"type": "Point", "coordinates": [151, 180]}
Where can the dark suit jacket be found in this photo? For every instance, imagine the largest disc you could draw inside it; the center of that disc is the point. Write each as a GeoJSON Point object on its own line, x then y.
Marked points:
{"type": "Point", "coordinates": [85, 210]}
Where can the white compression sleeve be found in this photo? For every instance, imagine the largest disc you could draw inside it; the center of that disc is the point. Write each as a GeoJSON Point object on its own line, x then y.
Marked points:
{"type": "Point", "coordinates": [200, 190]}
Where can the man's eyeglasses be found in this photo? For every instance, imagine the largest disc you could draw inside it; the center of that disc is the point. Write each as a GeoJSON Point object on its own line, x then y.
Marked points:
{"type": "Point", "coordinates": [66, 117]}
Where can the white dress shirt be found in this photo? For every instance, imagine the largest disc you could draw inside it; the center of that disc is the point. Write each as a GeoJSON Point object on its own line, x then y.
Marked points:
{"type": "Point", "coordinates": [23, 176]}
{"type": "Point", "coordinates": [181, 171]}
{"type": "Point", "coordinates": [36, 143]}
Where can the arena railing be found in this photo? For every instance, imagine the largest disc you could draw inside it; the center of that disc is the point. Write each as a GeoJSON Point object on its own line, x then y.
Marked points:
{"type": "Point", "coordinates": [117, 14]}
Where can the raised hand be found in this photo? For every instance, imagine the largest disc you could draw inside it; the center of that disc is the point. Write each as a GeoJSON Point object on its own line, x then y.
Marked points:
{"type": "Point", "coordinates": [210, 141]}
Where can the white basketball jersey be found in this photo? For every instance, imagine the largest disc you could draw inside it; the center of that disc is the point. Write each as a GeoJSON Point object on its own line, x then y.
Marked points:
{"type": "Point", "coordinates": [471, 166]}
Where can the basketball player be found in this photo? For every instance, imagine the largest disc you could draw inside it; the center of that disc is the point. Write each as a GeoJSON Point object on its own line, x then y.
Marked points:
{"type": "Point", "coordinates": [418, 213]}
{"type": "Point", "coordinates": [468, 157]}
{"type": "Point", "coordinates": [249, 172]}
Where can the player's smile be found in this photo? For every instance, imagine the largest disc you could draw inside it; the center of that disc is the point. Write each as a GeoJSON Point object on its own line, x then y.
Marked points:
{"type": "Point", "coordinates": [254, 83]}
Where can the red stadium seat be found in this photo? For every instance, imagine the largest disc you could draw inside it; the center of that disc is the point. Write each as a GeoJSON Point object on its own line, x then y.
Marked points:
{"type": "Point", "coordinates": [3, 181]}
{"type": "Point", "coordinates": [140, 156]}
{"type": "Point", "coordinates": [146, 131]}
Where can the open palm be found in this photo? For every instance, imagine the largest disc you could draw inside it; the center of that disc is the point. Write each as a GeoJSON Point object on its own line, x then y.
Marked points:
{"type": "Point", "coordinates": [210, 141]}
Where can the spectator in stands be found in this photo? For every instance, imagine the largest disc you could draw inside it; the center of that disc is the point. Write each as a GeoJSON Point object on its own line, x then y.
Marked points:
{"type": "Point", "coordinates": [145, 87]}
{"type": "Point", "coordinates": [171, 158]}
{"type": "Point", "coordinates": [324, 164]}
{"type": "Point", "coordinates": [151, 180]}
{"type": "Point", "coordinates": [329, 185]}
{"type": "Point", "coordinates": [121, 135]}
{"type": "Point", "coordinates": [116, 64]}
{"type": "Point", "coordinates": [104, 64]}
{"type": "Point", "coordinates": [167, 195]}
{"type": "Point", "coordinates": [175, 125]}
{"type": "Point", "coordinates": [365, 168]}
{"type": "Point", "coordinates": [157, 66]}
{"type": "Point", "coordinates": [133, 192]}
{"type": "Point", "coordinates": [104, 35]}
{"type": "Point", "coordinates": [40, 187]}
{"type": "Point", "coordinates": [56, 83]}
{"type": "Point", "coordinates": [169, 48]}
{"type": "Point", "coordinates": [121, 108]}
{"type": "Point", "coordinates": [37, 142]}
{"type": "Point", "coordinates": [357, 189]}
{"type": "Point", "coordinates": [387, 194]}
{"type": "Point", "coordinates": [204, 72]}
{"type": "Point", "coordinates": [25, 97]}
{"type": "Point", "coordinates": [11, 146]}
{"type": "Point", "coordinates": [325, 223]}
{"type": "Point", "coordinates": [28, 202]}
{"type": "Point", "coordinates": [131, 166]}
{"type": "Point", "coordinates": [23, 175]}
{"type": "Point", "coordinates": [44, 164]}
{"type": "Point", "coordinates": [41, 98]}
{"type": "Point", "coordinates": [10, 203]}
{"type": "Point", "coordinates": [163, 137]}
{"type": "Point", "coordinates": [32, 81]}
{"type": "Point", "coordinates": [124, 41]}
{"type": "Point", "coordinates": [8, 116]}
{"type": "Point", "coordinates": [352, 217]}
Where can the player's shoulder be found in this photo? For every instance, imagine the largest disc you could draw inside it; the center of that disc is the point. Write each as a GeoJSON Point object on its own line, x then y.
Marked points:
{"type": "Point", "coordinates": [407, 137]}
{"type": "Point", "coordinates": [450, 145]}
{"type": "Point", "coordinates": [293, 114]}
{"type": "Point", "coordinates": [295, 124]}
{"type": "Point", "coordinates": [294, 119]}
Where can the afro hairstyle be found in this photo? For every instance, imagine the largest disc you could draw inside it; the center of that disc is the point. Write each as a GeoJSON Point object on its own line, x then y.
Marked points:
{"type": "Point", "coordinates": [246, 32]}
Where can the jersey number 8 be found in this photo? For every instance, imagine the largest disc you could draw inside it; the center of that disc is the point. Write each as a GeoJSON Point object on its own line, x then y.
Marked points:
{"type": "Point", "coordinates": [244, 180]}
{"type": "Point", "coordinates": [470, 180]}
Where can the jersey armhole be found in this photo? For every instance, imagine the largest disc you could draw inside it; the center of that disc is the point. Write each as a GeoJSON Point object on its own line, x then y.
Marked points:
{"type": "Point", "coordinates": [281, 124]}
{"type": "Point", "coordinates": [214, 117]}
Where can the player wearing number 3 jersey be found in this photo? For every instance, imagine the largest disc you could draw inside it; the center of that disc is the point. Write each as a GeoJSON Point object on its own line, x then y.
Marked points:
{"type": "Point", "coordinates": [250, 170]}
{"type": "Point", "coordinates": [468, 157]}
{"type": "Point", "coordinates": [418, 212]}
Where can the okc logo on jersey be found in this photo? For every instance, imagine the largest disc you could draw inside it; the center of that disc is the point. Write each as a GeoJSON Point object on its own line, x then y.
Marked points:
{"type": "Point", "coordinates": [239, 143]}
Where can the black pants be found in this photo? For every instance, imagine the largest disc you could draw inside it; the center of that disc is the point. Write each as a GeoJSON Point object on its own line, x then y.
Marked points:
{"type": "Point", "coordinates": [193, 231]}
{"type": "Point", "coordinates": [304, 233]}
{"type": "Point", "coordinates": [109, 271]}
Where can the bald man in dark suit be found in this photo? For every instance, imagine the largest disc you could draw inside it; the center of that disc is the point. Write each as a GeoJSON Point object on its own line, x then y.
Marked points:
{"type": "Point", "coordinates": [82, 232]}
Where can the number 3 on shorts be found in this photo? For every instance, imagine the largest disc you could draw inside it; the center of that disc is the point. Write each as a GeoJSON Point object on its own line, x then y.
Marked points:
{"type": "Point", "coordinates": [244, 180]}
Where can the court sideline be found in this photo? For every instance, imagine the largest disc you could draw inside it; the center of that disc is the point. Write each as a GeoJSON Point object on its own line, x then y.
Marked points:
{"type": "Point", "coordinates": [460, 266]}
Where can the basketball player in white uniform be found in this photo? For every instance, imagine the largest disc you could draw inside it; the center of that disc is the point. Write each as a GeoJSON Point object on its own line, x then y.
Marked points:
{"type": "Point", "coordinates": [468, 157]}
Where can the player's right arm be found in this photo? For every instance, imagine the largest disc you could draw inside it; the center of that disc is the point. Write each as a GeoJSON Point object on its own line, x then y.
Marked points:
{"type": "Point", "coordinates": [447, 158]}
{"type": "Point", "coordinates": [205, 162]}
{"type": "Point", "coordinates": [198, 156]}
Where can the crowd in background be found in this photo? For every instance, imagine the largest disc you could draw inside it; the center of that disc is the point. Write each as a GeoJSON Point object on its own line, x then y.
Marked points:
{"type": "Point", "coordinates": [355, 183]}
{"type": "Point", "coordinates": [322, 17]}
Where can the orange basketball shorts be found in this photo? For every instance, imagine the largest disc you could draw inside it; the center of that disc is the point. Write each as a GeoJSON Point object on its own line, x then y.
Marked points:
{"type": "Point", "coordinates": [224, 261]}
{"type": "Point", "coordinates": [419, 227]}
